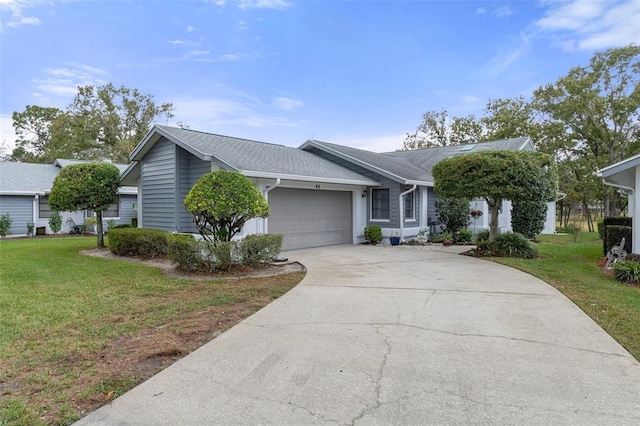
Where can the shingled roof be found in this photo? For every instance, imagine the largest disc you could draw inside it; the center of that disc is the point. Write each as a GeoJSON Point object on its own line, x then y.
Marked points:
{"type": "Point", "coordinates": [37, 179]}
{"type": "Point", "coordinates": [251, 158]}
{"type": "Point", "coordinates": [26, 178]}
{"type": "Point", "coordinates": [412, 166]}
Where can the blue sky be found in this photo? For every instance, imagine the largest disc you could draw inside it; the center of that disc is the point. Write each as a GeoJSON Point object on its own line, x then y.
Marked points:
{"type": "Point", "coordinates": [359, 73]}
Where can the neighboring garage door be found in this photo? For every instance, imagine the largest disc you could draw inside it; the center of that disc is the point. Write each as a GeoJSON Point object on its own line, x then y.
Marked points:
{"type": "Point", "coordinates": [310, 218]}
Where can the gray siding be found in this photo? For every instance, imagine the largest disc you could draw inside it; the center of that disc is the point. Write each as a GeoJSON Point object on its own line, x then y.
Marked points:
{"type": "Point", "coordinates": [190, 169]}
{"type": "Point", "coordinates": [126, 209]}
{"type": "Point", "coordinates": [431, 204]}
{"type": "Point", "coordinates": [158, 185]}
{"type": "Point", "coordinates": [20, 209]}
{"type": "Point", "coordinates": [395, 189]}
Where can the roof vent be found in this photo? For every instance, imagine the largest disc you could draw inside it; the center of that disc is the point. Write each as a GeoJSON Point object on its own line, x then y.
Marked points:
{"type": "Point", "coordinates": [468, 147]}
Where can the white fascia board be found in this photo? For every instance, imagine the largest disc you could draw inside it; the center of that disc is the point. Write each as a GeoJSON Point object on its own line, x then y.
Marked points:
{"type": "Point", "coordinates": [268, 175]}
{"type": "Point", "coordinates": [418, 182]}
{"type": "Point", "coordinates": [141, 145]}
{"type": "Point", "coordinates": [356, 161]}
{"type": "Point", "coordinates": [154, 136]}
{"type": "Point", "coordinates": [128, 190]}
{"type": "Point", "coordinates": [620, 166]}
{"type": "Point", "coordinates": [18, 193]}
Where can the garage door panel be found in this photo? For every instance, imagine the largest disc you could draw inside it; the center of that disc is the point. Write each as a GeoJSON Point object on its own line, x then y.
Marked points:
{"type": "Point", "coordinates": [310, 218]}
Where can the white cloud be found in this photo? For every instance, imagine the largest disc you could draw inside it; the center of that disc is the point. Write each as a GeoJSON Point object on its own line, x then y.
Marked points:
{"type": "Point", "coordinates": [17, 18]}
{"type": "Point", "coordinates": [590, 25]}
{"type": "Point", "coordinates": [65, 81]}
{"type": "Point", "coordinates": [499, 12]}
{"type": "Point", "coordinates": [375, 143]}
{"type": "Point", "coordinates": [507, 55]}
{"type": "Point", "coordinates": [176, 42]}
{"type": "Point", "coordinates": [287, 104]}
{"type": "Point", "coordinates": [7, 134]}
{"type": "Point", "coordinates": [242, 25]}
{"type": "Point", "coordinates": [502, 11]}
{"type": "Point", "coordinates": [224, 114]}
{"type": "Point", "coordinates": [190, 29]}
{"type": "Point", "coordinates": [198, 52]}
{"type": "Point", "coordinates": [263, 4]}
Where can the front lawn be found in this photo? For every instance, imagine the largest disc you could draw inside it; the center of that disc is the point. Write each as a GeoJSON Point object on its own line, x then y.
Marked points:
{"type": "Point", "coordinates": [77, 331]}
{"type": "Point", "coordinates": [572, 268]}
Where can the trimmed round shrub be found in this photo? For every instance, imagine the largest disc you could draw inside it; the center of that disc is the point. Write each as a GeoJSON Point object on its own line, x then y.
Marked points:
{"type": "Point", "coordinates": [513, 244]}
{"type": "Point", "coordinates": [143, 242]}
{"type": "Point", "coordinates": [373, 234]}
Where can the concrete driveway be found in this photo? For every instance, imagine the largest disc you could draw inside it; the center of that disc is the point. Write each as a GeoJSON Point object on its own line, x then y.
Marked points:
{"type": "Point", "coordinates": [397, 336]}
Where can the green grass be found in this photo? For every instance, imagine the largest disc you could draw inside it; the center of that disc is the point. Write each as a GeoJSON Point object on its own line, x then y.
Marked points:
{"type": "Point", "coordinates": [59, 309]}
{"type": "Point", "coordinates": [572, 268]}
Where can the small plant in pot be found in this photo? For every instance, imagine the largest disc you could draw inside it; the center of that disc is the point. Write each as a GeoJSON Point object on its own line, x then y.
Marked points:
{"type": "Point", "coordinates": [395, 239]}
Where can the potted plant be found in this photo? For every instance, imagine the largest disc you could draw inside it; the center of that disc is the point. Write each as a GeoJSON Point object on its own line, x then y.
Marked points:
{"type": "Point", "coordinates": [395, 239]}
{"type": "Point", "coordinates": [475, 213]}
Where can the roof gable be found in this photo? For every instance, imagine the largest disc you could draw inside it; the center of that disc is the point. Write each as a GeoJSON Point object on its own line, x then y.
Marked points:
{"type": "Point", "coordinates": [252, 158]}
{"type": "Point", "coordinates": [413, 166]}
{"type": "Point", "coordinates": [396, 169]}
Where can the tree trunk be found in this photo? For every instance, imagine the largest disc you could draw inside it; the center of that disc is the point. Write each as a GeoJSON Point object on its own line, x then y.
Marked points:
{"type": "Point", "coordinates": [494, 208]}
{"type": "Point", "coordinates": [99, 228]}
{"type": "Point", "coordinates": [587, 215]}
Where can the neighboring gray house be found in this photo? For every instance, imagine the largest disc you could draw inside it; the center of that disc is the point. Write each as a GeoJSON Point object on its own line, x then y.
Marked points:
{"type": "Point", "coordinates": [319, 194]}
{"type": "Point", "coordinates": [24, 194]}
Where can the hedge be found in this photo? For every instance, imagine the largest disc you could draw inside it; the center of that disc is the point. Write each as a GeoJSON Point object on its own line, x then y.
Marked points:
{"type": "Point", "coordinates": [141, 242]}
{"type": "Point", "coordinates": [614, 221]}
{"type": "Point", "coordinates": [204, 256]}
{"type": "Point", "coordinates": [613, 236]}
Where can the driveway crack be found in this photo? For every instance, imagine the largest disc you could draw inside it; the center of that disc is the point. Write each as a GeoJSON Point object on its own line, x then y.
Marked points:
{"type": "Point", "coordinates": [378, 379]}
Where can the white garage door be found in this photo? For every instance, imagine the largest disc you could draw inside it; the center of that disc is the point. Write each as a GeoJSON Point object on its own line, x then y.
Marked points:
{"type": "Point", "coordinates": [310, 218]}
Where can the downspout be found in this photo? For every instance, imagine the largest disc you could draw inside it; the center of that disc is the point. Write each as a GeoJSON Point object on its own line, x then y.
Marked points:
{"type": "Point", "coordinates": [402, 209]}
{"type": "Point", "coordinates": [35, 207]}
{"type": "Point", "coordinates": [266, 197]}
{"type": "Point", "coordinates": [626, 188]}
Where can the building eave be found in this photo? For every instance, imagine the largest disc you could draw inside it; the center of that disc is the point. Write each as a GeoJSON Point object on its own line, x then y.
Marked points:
{"type": "Point", "coordinates": [300, 178]}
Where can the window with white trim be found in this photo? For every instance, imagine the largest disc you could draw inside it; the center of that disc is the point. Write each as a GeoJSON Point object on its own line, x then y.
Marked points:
{"type": "Point", "coordinates": [112, 211]}
{"type": "Point", "coordinates": [409, 206]}
{"type": "Point", "coordinates": [380, 204]}
{"type": "Point", "coordinates": [44, 211]}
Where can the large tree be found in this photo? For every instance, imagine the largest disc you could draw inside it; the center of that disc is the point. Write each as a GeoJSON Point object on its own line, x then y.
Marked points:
{"type": "Point", "coordinates": [598, 107]}
{"type": "Point", "coordinates": [222, 202]}
{"type": "Point", "coordinates": [114, 119]}
{"type": "Point", "coordinates": [439, 129]}
{"type": "Point", "coordinates": [101, 123]}
{"type": "Point", "coordinates": [497, 176]}
{"type": "Point", "coordinates": [33, 128]}
{"type": "Point", "coordinates": [90, 186]}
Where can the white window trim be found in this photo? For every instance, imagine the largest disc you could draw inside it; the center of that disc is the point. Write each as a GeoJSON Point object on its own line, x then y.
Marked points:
{"type": "Point", "coordinates": [381, 220]}
{"type": "Point", "coordinates": [413, 207]}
